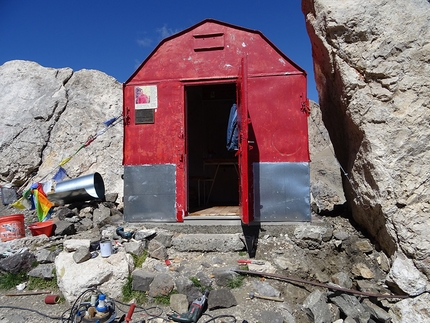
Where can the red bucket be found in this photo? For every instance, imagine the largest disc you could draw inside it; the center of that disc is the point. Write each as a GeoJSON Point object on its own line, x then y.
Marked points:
{"type": "Point", "coordinates": [12, 227]}
{"type": "Point", "coordinates": [38, 228]}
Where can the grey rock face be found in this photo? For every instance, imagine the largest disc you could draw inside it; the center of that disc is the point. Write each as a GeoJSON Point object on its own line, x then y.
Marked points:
{"type": "Point", "coordinates": [376, 312]}
{"type": "Point", "coordinates": [59, 109]}
{"type": "Point", "coordinates": [164, 238]}
{"type": "Point", "coordinates": [316, 307]}
{"type": "Point", "coordinates": [351, 307]}
{"type": "Point", "coordinates": [373, 79]}
{"type": "Point", "coordinates": [342, 279]}
{"type": "Point", "coordinates": [161, 285]}
{"type": "Point", "coordinates": [179, 303]}
{"type": "Point", "coordinates": [83, 225]}
{"type": "Point", "coordinates": [81, 254]}
{"type": "Point", "coordinates": [411, 310]}
{"type": "Point", "coordinates": [157, 250]}
{"type": "Point", "coordinates": [141, 280]}
{"type": "Point", "coordinates": [221, 298]}
{"type": "Point", "coordinates": [269, 316]}
{"type": "Point", "coordinates": [223, 276]}
{"type": "Point", "coordinates": [16, 263]}
{"type": "Point", "coordinates": [414, 283]}
{"type": "Point", "coordinates": [45, 271]}
{"type": "Point", "coordinates": [144, 234]}
{"type": "Point", "coordinates": [64, 228]}
{"type": "Point", "coordinates": [325, 174]}
{"type": "Point", "coordinates": [265, 289]}
{"type": "Point", "coordinates": [44, 256]}
{"type": "Point", "coordinates": [101, 215]}
{"type": "Point", "coordinates": [135, 248]}
{"type": "Point", "coordinates": [64, 212]}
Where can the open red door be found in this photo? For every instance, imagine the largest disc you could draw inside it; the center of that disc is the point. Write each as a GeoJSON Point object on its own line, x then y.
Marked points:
{"type": "Point", "coordinates": [243, 124]}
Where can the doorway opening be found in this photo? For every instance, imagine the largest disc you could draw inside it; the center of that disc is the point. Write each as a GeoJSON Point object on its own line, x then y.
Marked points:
{"type": "Point", "coordinates": [213, 174]}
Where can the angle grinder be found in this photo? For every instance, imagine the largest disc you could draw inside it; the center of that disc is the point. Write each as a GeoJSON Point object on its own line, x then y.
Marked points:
{"type": "Point", "coordinates": [194, 312]}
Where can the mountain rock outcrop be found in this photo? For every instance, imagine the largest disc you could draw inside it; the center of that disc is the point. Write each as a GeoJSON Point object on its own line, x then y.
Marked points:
{"type": "Point", "coordinates": [48, 114]}
{"type": "Point", "coordinates": [371, 63]}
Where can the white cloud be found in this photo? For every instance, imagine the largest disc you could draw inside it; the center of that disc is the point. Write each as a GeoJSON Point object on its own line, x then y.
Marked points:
{"type": "Point", "coordinates": [166, 32]}
{"type": "Point", "coordinates": [144, 42]}
{"type": "Point", "coordinates": [137, 63]}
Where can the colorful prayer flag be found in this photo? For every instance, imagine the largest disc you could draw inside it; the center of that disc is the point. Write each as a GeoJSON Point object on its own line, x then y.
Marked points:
{"type": "Point", "coordinates": [59, 176]}
{"type": "Point", "coordinates": [42, 204]}
{"type": "Point", "coordinates": [110, 121]}
{"type": "Point", "coordinates": [65, 160]}
{"type": "Point", "coordinates": [19, 204]}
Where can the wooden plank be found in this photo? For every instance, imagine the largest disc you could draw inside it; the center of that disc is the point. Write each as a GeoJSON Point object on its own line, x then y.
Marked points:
{"type": "Point", "coordinates": [217, 211]}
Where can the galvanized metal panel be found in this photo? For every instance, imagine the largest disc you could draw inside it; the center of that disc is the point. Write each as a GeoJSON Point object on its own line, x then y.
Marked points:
{"type": "Point", "coordinates": [150, 193]}
{"type": "Point", "coordinates": [281, 192]}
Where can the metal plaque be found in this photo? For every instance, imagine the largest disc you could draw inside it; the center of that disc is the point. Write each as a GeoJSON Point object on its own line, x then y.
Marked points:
{"type": "Point", "coordinates": [143, 116]}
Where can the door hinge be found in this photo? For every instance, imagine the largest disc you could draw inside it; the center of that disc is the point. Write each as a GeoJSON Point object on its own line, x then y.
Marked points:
{"type": "Point", "coordinates": [305, 107]}
{"type": "Point", "coordinates": [127, 117]}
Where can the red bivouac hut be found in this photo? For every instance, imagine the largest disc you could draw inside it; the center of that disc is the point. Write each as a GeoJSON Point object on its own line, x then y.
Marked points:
{"type": "Point", "coordinates": [215, 123]}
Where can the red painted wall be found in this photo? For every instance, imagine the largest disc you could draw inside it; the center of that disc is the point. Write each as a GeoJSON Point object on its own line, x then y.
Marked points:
{"type": "Point", "coordinates": [277, 91]}
{"type": "Point", "coordinates": [277, 119]}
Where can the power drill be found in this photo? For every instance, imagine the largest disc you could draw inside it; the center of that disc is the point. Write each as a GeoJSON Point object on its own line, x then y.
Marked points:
{"type": "Point", "coordinates": [125, 235]}
{"type": "Point", "coordinates": [194, 312]}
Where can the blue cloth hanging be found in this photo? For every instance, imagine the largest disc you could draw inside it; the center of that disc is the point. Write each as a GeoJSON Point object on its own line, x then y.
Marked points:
{"type": "Point", "coordinates": [232, 130]}
{"type": "Point", "coordinates": [59, 176]}
{"type": "Point", "coordinates": [110, 121]}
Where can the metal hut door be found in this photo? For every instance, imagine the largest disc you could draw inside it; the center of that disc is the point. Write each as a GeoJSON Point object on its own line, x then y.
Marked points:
{"type": "Point", "coordinates": [243, 151]}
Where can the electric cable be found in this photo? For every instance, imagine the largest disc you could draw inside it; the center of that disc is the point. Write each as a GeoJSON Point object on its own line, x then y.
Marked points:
{"type": "Point", "coordinates": [146, 310]}
{"type": "Point", "coordinates": [154, 316]}
{"type": "Point", "coordinates": [74, 310]}
{"type": "Point", "coordinates": [213, 318]}
{"type": "Point", "coordinates": [75, 306]}
{"type": "Point", "coordinates": [31, 310]}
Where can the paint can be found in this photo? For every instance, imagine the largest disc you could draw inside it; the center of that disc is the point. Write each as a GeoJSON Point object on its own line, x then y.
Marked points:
{"type": "Point", "coordinates": [105, 248]}
{"type": "Point", "coordinates": [52, 299]}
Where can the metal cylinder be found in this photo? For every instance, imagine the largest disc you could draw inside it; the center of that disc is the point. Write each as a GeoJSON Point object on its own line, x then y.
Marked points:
{"type": "Point", "coordinates": [105, 248]}
{"type": "Point", "coordinates": [84, 188]}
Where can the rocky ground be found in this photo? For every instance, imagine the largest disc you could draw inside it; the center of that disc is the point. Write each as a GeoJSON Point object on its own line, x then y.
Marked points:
{"type": "Point", "coordinates": [327, 251]}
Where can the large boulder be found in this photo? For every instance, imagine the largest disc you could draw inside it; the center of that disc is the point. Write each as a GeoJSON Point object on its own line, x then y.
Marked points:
{"type": "Point", "coordinates": [108, 274]}
{"type": "Point", "coordinates": [371, 63]}
{"type": "Point", "coordinates": [48, 114]}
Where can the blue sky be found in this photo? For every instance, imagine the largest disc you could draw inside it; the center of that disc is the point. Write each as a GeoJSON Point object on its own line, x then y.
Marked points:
{"type": "Point", "coordinates": [116, 36]}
